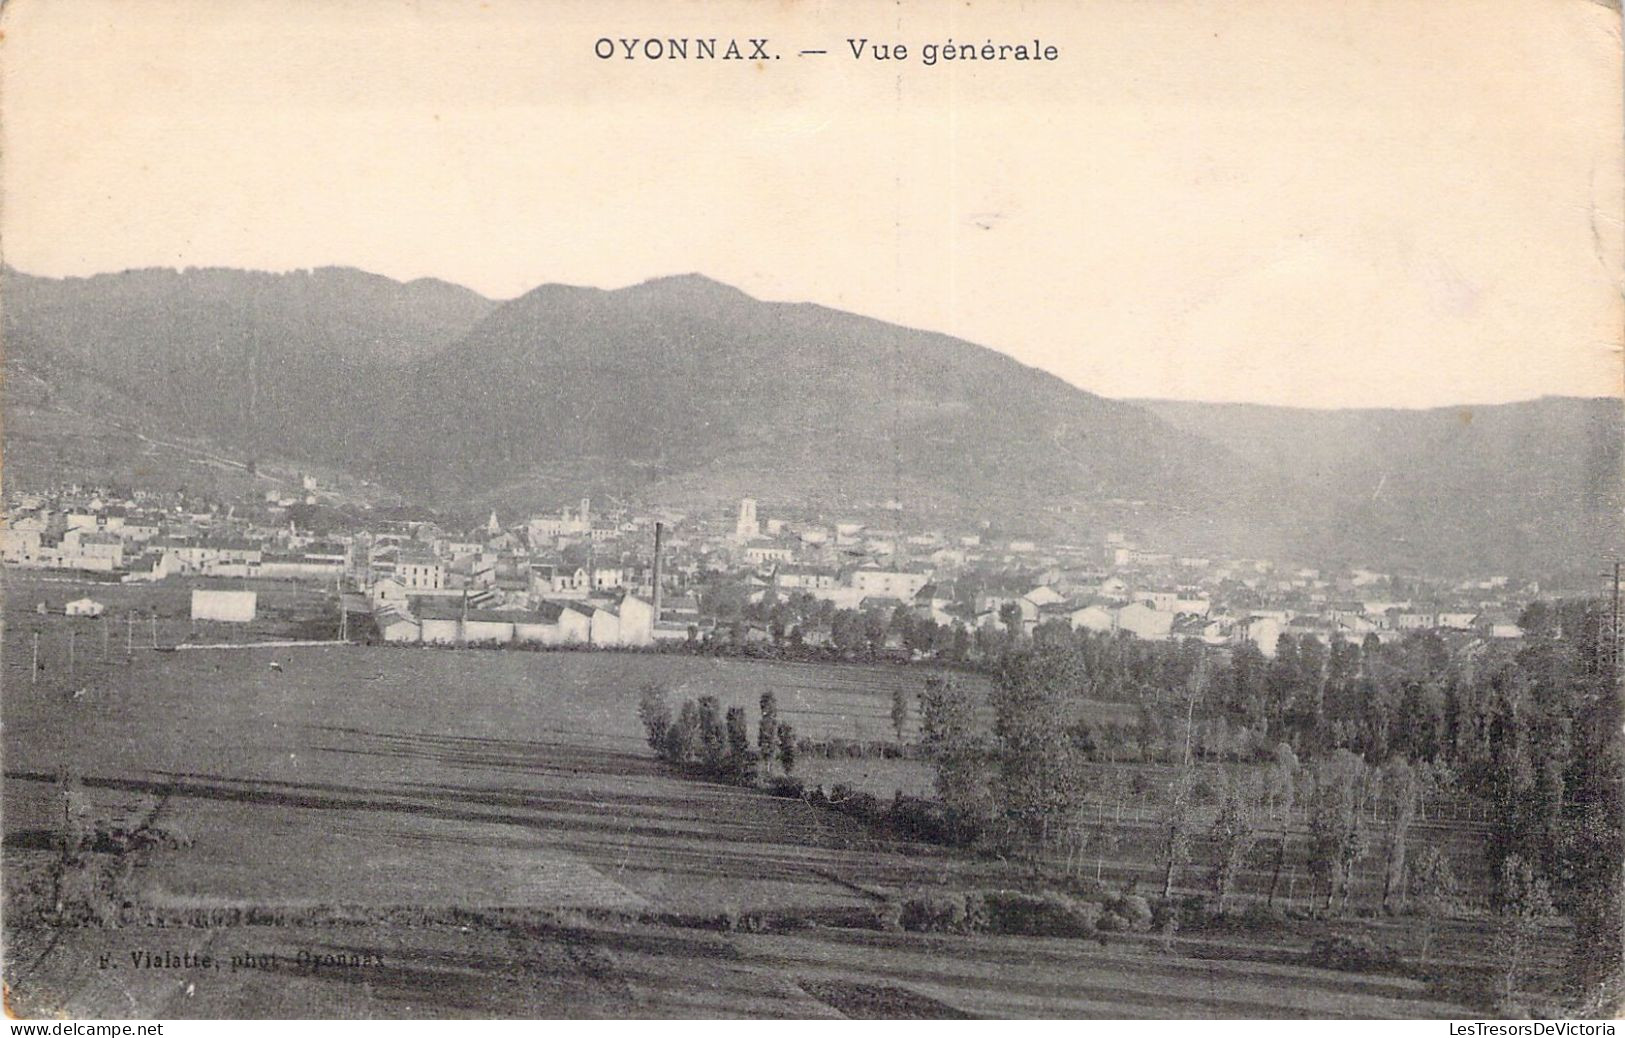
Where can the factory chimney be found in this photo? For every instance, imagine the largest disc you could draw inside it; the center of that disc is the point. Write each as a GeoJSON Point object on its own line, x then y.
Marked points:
{"type": "Point", "coordinates": [660, 530]}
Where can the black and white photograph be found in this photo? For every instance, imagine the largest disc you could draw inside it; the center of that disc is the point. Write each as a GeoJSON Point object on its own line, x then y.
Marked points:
{"type": "Point", "coordinates": [812, 510]}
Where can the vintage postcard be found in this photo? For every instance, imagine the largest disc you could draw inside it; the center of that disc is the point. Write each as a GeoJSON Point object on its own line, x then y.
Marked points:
{"type": "Point", "coordinates": [816, 509]}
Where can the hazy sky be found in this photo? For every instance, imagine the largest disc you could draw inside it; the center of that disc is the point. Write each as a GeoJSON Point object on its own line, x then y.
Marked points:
{"type": "Point", "coordinates": [1320, 202]}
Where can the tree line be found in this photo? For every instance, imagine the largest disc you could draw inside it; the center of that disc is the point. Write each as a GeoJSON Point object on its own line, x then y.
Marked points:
{"type": "Point", "coordinates": [1352, 738]}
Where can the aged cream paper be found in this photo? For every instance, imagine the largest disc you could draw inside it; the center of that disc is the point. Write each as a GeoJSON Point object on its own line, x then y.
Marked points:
{"type": "Point", "coordinates": [417, 411]}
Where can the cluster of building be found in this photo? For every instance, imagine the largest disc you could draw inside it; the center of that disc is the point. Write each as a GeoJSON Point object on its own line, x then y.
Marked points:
{"type": "Point", "coordinates": [618, 578]}
{"type": "Point", "coordinates": [1112, 585]}
{"type": "Point", "coordinates": [146, 538]}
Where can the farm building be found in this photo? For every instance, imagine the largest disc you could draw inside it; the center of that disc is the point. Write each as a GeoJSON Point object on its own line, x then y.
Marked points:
{"type": "Point", "coordinates": [556, 623]}
{"type": "Point", "coordinates": [236, 607]}
{"type": "Point", "coordinates": [396, 626]}
{"type": "Point", "coordinates": [434, 621]}
{"type": "Point", "coordinates": [84, 607]}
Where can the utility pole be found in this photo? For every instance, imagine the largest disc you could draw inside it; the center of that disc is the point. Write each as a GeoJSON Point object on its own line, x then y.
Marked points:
{"type": "Point", "coordinates": [33, 669]}
{"type": "Point", "coordinates": [70, 655]}
{"type": "Point", "coordinates": [106, 637]}
{"type": "Point", "coordinates": [129, 634]}
{"type": "Point", "coordinates": [154, 630]}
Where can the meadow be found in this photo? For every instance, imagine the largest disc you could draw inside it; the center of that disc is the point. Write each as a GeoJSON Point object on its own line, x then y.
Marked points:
{"type": "Point", "coordinates": [485, 833]}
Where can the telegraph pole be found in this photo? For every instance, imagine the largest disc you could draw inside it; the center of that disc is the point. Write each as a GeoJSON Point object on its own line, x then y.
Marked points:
{"type": "Point", "coordinates": [70, 655]}
{"type": "Point", "coordinates": [154, 630]}
{"type": "Point", "coordinates": [33, 669]}
{"type": "Point", "coordinates": [129, 634]}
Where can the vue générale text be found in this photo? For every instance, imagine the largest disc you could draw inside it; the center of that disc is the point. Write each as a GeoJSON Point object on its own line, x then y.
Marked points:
{"type": "Point", "coordinates": [760, 48]}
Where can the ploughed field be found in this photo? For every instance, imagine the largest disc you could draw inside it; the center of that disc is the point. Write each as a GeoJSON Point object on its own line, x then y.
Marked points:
{"type": "Point", "coordinates": [385, 832]}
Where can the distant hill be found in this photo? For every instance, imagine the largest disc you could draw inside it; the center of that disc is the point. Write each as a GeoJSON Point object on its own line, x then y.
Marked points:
{"type": "Point", "coordinates": [1511, 487]}
{"type": "Point", "coordinates": [273, 363]}
{"type": "Point", "coordinates": [686, 392]}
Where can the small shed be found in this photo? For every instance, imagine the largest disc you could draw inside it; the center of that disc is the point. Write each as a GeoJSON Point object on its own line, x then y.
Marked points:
{"type": "Point", "coordinates": [84, 607]}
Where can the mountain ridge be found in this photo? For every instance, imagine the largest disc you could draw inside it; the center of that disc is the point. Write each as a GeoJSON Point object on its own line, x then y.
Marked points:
{"type": "Point", "coordinates": [684, 390]}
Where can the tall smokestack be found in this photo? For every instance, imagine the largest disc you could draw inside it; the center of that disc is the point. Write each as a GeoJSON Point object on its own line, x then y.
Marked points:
{"type": "Point", "coordinates": [660, 530]}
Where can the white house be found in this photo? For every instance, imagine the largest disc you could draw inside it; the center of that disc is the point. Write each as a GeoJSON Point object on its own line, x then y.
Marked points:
{"type": "Point", "coordinates": [153, 565]}
{"type": "Point", "coordinates": [1262, 631]}
{"type": "Point", "coordinates": [1093, 618]}
{"type": "Point", "coordinates": [761, 552]}
{"type": "Point", "coordinates": [604, 625]}
{"type": "Point", "coordinates": [84, 607]}
{"type": "Point", "coordinates": [1144, 622]}
{"type": "Point", "coordinates": [397, 626]}
{"type": "Point", "coordinates": [547, 581]}
{"type": "Point", "coordinates": [420, 572]}
{"type": "Point", "coordinates": [575, 623]}
{"type": "Point", "coordinates": [1043, 595]}
{"type": "Point", "coordinates": [19, 546]}
{"type": "Point", "coordinates": [636, 621]}
{"type": "Point", "coordinates": [805, 578]}
{"type": "Point", "coordinates": [902, 583]}
{"type": "Point", "coordinates": [1159, 599]}
{"type": "Point", "coordinates": [388, 591]}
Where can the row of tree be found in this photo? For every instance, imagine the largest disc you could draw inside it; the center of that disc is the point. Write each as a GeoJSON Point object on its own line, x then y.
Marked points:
{"type": "Point", "coordinates": [1353, 737]}
{"type": "Point", "coordinates": [700, 736]}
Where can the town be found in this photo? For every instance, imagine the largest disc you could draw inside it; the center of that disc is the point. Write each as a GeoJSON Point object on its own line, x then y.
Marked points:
{"type": "Point", "coordinates": [616, 578]}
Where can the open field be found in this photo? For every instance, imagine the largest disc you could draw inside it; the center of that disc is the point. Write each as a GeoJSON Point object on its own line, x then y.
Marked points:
{"type": "Point", "coordinates": [485, 834]}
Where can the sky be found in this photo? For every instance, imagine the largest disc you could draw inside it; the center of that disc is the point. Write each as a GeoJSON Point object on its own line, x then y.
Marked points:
{"type": "Point", "coordinates": [1330, 204]}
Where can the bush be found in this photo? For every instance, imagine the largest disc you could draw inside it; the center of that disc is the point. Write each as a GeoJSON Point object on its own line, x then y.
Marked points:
{"type": "Point", "coordinates": [1165, 915]}
{"type": "Point", "coordinates": [1134, 910]}
{"type": "Point", "coordinates": [976, 917]}
{"type": "Point", "coordinates": [1192, 911]}
{"type": "Point", "coordinates": [862, 806]}
{"type": "Point", "coordinates": [1111, 922]}
{"type": "Point", "coordinates": [1260, 916]}
{"type": "Point", "coordinates": [1039, 915]}
{"type": "Point", "coordinates": [1353, 954]}
{"type": "Point", "coordinates": [914, 818]}
{"type": "Point", "coordinates": [787, 787]}
{"type": "Point", "coordinates": [1087, 888]}
{"type": "Point", "coordinates": [934, 912]}
{"type": "Point", "coordinates": [889, 916]}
